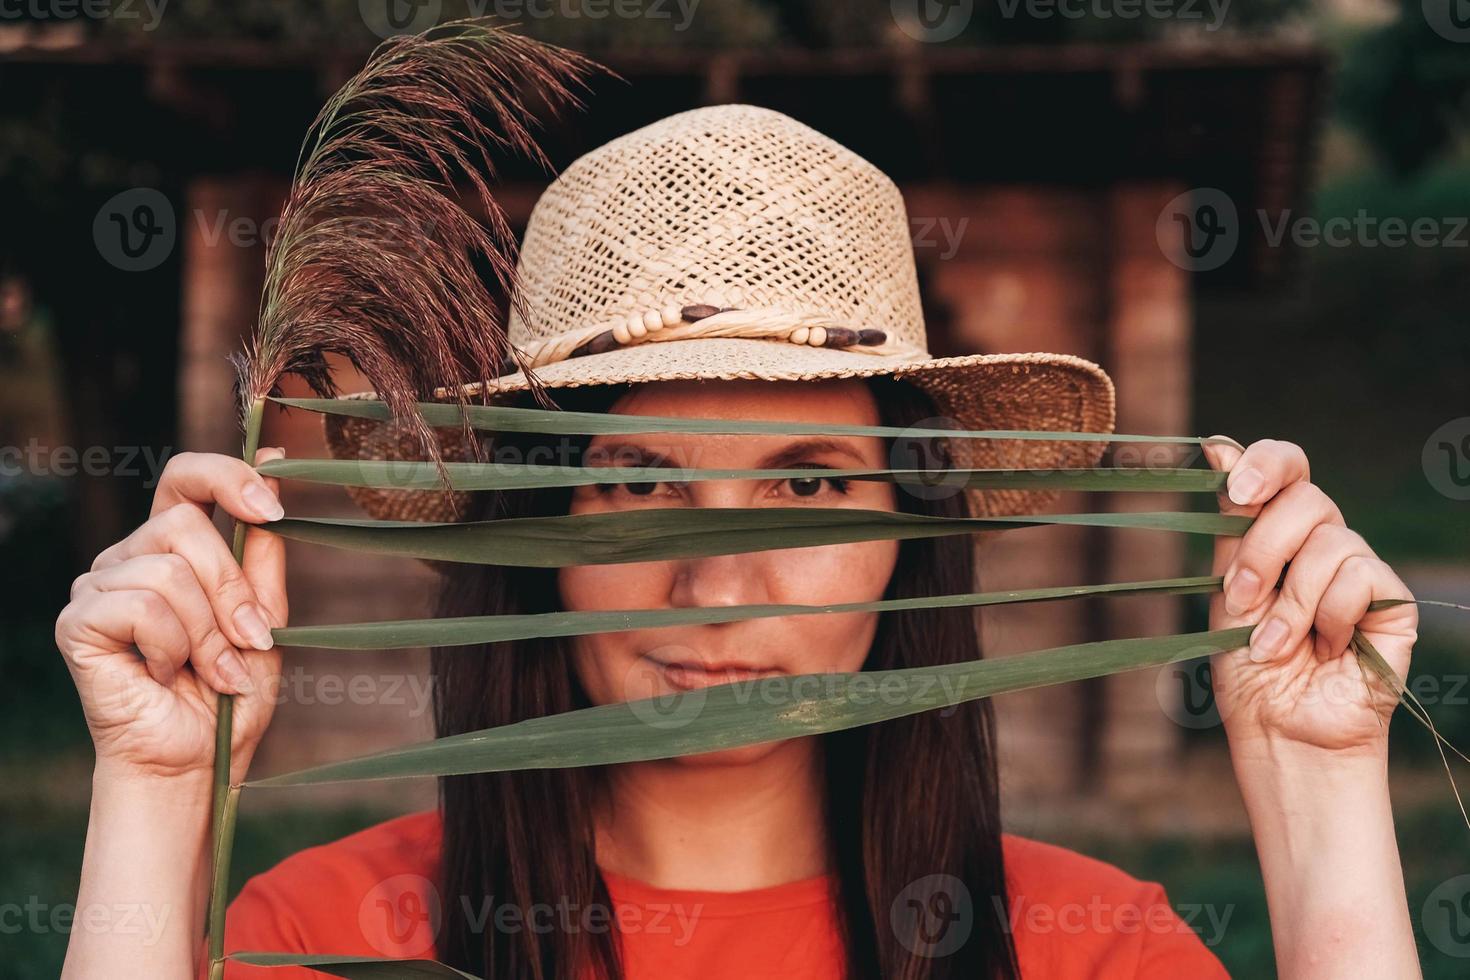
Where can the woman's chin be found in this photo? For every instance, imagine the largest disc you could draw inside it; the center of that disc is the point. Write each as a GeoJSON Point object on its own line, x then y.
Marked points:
{"type": "Point", "coordinates": [745, 755]}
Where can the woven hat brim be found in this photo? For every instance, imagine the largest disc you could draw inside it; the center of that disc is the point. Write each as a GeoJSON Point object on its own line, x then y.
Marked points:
{"type": "Point", "coordinates": [1039, 391]}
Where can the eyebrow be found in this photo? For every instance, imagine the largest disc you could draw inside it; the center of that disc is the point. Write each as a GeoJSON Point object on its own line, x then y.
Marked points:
{"type": "Point", "coordinates": [626, 453]}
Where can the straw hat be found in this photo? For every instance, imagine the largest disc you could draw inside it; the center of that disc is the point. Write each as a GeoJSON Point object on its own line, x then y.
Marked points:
{"type": "Point", "coordinates": [735, 242]}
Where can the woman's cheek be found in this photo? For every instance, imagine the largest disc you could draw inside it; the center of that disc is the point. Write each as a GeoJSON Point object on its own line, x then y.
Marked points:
{"type": "Point", "coordinates": [608, 664]}
{"type": "Point", "coordinates": [858, 572]}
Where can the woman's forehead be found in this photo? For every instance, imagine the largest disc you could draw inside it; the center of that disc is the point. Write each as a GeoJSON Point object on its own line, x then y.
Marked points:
{"type": "Point", "coordinates": [841, 401]}
{"type": "Point", "coordinates": [847, 401]}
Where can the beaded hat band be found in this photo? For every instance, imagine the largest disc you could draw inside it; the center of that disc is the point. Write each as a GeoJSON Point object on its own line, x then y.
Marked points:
{"type": "Point", "coordinates": [704, 321]}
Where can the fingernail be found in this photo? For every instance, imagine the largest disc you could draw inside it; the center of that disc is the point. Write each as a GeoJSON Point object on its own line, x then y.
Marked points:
{"type": "Point", "coordinates": [1244, 485]}
{"type": "Point", "coordinates": [263, 502]}
{"type": "Point", "coordinates": [1268, 639]}
{"type": "Point", "coordinates": [253, 627]}
{"type": "Point", "coordinates": [1242, 591]}
{"type": "Point", "coordinates": [232, 669]}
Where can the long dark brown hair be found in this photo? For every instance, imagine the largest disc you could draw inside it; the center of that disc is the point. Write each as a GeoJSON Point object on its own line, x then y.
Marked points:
{"type": "Point", "coordinates": [907, 800]}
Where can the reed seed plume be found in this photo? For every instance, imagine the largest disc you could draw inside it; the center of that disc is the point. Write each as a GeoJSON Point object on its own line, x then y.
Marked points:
{"type": "Point", "coordinates": [377, 258]}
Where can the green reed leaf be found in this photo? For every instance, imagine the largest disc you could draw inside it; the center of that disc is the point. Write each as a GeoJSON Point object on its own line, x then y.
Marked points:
{"type": "Point", "coordinates": [687, 532]}
{"type": "Point", "coordinates": [750, 712]}
{"type": "Point", "coordinates": [356, 967]}
{"type": "Point", "coordinates": [418, 475]}
{"type": "Point", "coordinates": [500, 418]}
{"type": "Point", "coordinates": [464, 630]}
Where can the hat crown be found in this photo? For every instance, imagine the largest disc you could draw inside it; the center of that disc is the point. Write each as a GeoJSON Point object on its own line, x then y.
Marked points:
{"type": "Point", "coordinates": [732, 206]}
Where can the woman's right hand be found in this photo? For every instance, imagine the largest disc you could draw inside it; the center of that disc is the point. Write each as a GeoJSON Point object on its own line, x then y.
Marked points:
{"type": "Point", "coordinates": [166, 620]}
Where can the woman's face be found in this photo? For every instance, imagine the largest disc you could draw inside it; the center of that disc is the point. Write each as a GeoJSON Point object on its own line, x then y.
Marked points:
{"type": "Point", "coordinates": [643, 663]}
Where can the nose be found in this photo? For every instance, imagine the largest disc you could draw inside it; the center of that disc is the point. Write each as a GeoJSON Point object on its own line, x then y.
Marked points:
{"type": "Point", "coordinates": [720, 580]}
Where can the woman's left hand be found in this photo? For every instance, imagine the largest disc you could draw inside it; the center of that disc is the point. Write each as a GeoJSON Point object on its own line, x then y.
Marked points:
{"type": "Point", "coordinates": [1299, 686]}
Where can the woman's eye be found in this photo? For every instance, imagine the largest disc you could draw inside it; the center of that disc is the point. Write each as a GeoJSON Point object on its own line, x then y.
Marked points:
{"type": "Point", "coordinates": [641, 489]}
{"type": "Point", "coordinates": [810, 486]}
{"type": "Point", "coordinates": [806, 486]}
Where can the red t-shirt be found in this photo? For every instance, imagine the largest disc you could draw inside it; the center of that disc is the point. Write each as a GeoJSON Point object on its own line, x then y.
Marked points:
{"type": "Point", "coordinates": [373, 894]}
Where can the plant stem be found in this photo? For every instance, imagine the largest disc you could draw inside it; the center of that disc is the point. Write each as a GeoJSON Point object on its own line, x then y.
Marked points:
{"type": "Point", "coordinates": [226, 798]}
{"type": "Point", "coordinates": [220, 882]}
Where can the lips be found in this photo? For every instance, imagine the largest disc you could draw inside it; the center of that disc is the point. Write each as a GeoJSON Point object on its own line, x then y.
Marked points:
{"type": "Point", "coordinates": [688, 675]}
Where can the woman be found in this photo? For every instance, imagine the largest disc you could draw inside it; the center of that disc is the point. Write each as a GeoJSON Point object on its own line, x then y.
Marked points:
{"type": "Point", "coordinates": [686, 270]}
